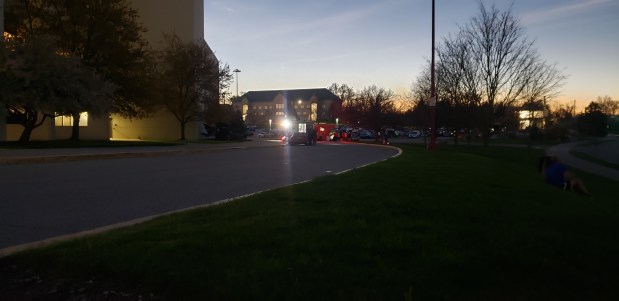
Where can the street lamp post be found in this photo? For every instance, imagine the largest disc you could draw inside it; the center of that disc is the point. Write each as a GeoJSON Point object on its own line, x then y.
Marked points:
{"type": "Point", "coordinates": [2, 108]}
{"type": "Point", "coordinates": [236, 71]}
{"type": "Point", "coordinates": [432, 103]}
{"type": "Point", "coordinates": [1, 19]}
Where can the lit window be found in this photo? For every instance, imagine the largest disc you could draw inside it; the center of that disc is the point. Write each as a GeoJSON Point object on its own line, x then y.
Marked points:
{"type": "Point", "coordinates": [67, 120]}
{"type": "Point", "coordinates": [314, 112]}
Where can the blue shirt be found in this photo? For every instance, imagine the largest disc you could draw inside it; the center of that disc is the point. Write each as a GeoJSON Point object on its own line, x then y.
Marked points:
{"type": "Point", "coordinates": [554, 174]}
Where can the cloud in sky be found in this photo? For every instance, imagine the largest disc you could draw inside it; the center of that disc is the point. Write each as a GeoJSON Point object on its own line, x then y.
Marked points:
{"type": "Point", "coordinates": [283, 43]}
{"type": "Point", "coordinates": [564, 10]}
{"type": "Point", "coordinates": [290, 26]}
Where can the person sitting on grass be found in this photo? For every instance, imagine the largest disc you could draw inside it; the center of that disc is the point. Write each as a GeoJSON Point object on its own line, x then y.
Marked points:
{"type": "Point", "coordinates": [557, 174]}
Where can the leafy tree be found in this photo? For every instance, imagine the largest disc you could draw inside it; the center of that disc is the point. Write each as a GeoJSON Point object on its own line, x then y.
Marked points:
{"type": "Point", "coordinates": [105, 34]}
{"type": "Point", "coordinates": [38, 83]}
{"type": "Point", "coordinates": [231, 125]}
{"type": "Point", "coordinates": [188, 73]}
{"type": "Point", "coordinates": [593, 122]}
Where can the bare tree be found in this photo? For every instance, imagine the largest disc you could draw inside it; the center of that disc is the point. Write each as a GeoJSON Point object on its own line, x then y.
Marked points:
{"type": "Point", "coordinates": [351, 109]}
{"type": "Point", "coordinates": [420, 89]}
{"type": "Point", "coordinates": [508, 67]}
{"type": "Point", "coordinates": [344, 92]}
{"type": "Point", "coordinates": [608, 106]}
{"type": "Point", "coordinates": [376, 102]}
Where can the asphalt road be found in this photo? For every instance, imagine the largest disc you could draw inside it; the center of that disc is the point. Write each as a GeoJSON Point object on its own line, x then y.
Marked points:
{"type": "Point", "coordinates": [41, 201]}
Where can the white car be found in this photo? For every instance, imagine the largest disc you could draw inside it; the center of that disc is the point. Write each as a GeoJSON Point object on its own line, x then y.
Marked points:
{"type": "Point", "coordinates": [414, 134]}
{"type": "Point", "coordinates": [267, 134]}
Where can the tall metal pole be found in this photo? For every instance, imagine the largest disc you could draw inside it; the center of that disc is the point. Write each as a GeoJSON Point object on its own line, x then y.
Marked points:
{"type": "Point", "coordinates": [432, 144]}
{"type": "Point", "coordinates": [1, 19]}
{"type": "Point", "coordinates": [236, 71]}
{"type": "Point", "coordinates": [2, 109]}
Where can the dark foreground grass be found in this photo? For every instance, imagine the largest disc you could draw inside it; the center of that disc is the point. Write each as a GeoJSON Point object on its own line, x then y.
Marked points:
{"type": "Point", "coordinates": [456, 224]}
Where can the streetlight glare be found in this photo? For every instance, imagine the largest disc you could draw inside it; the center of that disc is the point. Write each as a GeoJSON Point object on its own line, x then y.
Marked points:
{"type": "Point", "coordinates": [286, 123]}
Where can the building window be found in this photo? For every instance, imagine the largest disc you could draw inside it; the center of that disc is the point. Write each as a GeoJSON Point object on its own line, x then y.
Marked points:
{"type": "Point", "coordinates": [67, 120]}
{"type": "Point", "coordinates": [245, 109]}
{"type": "Point", "coordinates": [314, 112]}
{"type": "Point", "coordinates": [279, 114]}
{"type": "Point", "coordinates": [279, 106]}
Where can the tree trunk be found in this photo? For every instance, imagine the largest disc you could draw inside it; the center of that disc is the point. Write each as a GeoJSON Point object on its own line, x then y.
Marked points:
{"type": "Point", "coordinates": [75, 127]}
{"type": "Point", "coordinates": [25, 135]}
{"type": "Point", "coordinates": [183, 131]}
{"type": "Point", "coordinates": [29, 122]}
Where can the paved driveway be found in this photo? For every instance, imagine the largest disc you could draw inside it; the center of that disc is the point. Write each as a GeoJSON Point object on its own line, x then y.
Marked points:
{"type": "Point", "coordinates": [607, 150]}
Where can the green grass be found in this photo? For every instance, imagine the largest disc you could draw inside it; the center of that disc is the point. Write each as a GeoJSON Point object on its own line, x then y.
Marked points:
{"type": "Point", "coordinates": [461, 223]}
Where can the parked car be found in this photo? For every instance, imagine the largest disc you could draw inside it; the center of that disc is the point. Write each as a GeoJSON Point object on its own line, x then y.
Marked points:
{"type": "Point", "coordinates": [267, 134]}
{"type": "Point", "coordinates": [297, 138]}
{"type": "Point", "coordinates": [366, 134]}
{"type": "Point", "coordinates": [414, 134]}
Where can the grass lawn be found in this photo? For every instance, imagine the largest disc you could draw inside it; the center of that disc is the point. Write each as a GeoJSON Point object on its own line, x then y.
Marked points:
{"type": "Point", "coordinates": [456, 224]}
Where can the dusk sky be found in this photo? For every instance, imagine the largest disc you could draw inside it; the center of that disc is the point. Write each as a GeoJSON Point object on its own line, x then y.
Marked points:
{"type": "Point", "coordinates": [291, 44]}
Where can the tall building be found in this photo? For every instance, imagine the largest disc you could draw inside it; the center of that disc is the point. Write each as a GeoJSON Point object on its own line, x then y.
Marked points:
{"type": "Point", "coordinates": [185, 18]}
{"type": "Point", "coordinates": [300, 105]}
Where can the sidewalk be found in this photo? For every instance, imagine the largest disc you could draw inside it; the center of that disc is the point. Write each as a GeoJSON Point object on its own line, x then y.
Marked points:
{"type": "Point", "coordinates": [607, 151]}
{"type": "Point", "coordinates": [30, 156]}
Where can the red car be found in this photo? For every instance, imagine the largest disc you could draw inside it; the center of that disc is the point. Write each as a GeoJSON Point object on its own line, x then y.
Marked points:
{"type": "Point", "coordinates": [297, 138]}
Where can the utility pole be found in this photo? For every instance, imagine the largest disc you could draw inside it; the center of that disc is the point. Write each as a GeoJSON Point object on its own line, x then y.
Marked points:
{"type": "Point", "coordinates": [2, 18]}
{"type": "Point", "coordinates": [432, 103]}
{"type": "Point", "coordinates": [236, 71]}
{"type": "Point", "coordinates": [2, 109]}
